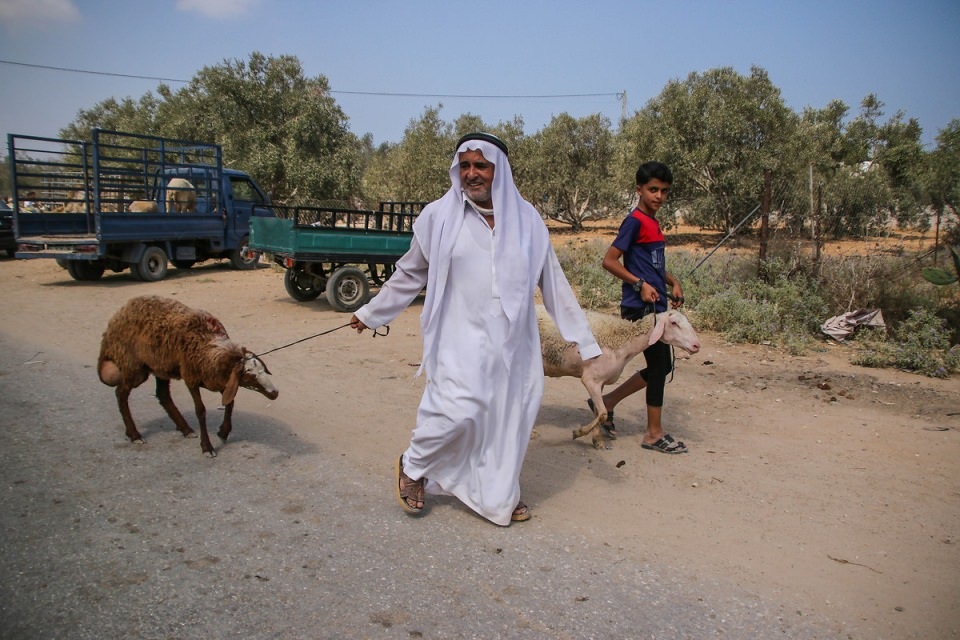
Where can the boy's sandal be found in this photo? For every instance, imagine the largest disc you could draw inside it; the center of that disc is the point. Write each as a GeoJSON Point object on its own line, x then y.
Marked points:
{"type": "Point", "coordinates": [409, 491]}
{"type": "Point", "coordinates": [607, 428]}
{"type": "Point", "coordinates": [521, 513]}
{"type": "Point", "coordinates": [666, 444]}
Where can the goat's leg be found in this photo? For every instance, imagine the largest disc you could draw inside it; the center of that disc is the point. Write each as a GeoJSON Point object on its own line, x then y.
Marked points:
{"type": "Point", "coordinates": [201, 411]}
{"type": "Point", "coordinates": [123, 401]}
{"type": "Point", "coordinates": [227, 425]}
{"type": "Point", "coordinates": [166, 401]}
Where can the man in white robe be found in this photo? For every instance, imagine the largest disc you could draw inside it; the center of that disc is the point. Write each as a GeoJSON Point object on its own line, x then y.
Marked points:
{"type": "Point", "coordinates": [480, 251]}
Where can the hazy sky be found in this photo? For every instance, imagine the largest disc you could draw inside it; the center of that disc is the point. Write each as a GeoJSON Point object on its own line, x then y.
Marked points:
{"type": "Point", "coordinates": [907, 53]}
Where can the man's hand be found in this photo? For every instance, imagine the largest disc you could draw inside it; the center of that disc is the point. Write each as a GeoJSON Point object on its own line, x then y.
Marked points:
{"type": "Point", "coordinates": [355, 323]}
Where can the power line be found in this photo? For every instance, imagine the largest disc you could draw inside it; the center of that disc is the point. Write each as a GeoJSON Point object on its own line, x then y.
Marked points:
{"type": "Point", "coordinates": [356, 93]}
{"type": "Point", "coordinates": [95, 73]}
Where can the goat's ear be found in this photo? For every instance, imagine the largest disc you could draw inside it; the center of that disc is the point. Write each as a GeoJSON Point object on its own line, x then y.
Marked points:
{"type": "Point", "coordinates": [659, 323]}
{"type": "Point", "coordinates": [233, 384]}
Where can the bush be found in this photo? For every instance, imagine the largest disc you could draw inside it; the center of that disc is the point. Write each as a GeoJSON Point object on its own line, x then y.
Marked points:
{"type": "Point", "coordinates": [582, 263]}
{"type": "Point", "coordinates": [921, 343]}
{"type": "Point", "coordinates": [787, 308]}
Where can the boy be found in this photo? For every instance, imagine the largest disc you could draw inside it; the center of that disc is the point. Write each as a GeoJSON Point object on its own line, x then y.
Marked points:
{"type": "Point", "coordinates": [640, 245]}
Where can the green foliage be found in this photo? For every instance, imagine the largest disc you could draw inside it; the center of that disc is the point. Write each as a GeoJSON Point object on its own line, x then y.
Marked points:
{"type": "Point", "coordinates": [941, 277]}
{"type": "Point", "coordinates": [571, 173]}
{"type": "Point", "coordinates": [786, 313]}
{"type": "Point", "coordinates": [281, 127]}
{"type": "Point", "coordinates": [596, 288]}
{"type": "Point", "coordinates": [719, 131]}
{"type": "Point", "coordinates": [417, 168]}
{"type": "Point", "coordinates": [786, 309]}
{"type": "Point", "coordinates": [921, 343]}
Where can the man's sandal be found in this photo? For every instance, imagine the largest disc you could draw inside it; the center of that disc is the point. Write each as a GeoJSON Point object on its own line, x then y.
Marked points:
{"type": "Point", "coordinates": [607, 428]}
{"type": "Point", "coordinates": [521, 513]}
{"type": "Point", "coordinates": [409, 491]}
{"type": "Point", "coordinates": [666, 444]}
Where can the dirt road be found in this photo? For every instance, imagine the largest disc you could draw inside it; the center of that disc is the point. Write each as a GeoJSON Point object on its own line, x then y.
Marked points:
{"type": "Point", "coordinates": [818, 500]}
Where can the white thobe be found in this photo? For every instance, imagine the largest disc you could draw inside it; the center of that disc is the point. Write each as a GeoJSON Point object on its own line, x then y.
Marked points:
{"type": "Point", "coordinates": [481, 400]}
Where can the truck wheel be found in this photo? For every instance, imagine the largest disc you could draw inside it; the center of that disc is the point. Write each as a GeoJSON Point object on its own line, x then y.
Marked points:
{"type": "Point", "coordinates": [347, 289]}
{"type": "Point", "coordinates": [85, 269]}
{"type": "Point", "coordinates": [243, 260]}
{"type": "Point", "coordinates": [152, 265]}
{"type": "Point", "coordinates": [302, 286]}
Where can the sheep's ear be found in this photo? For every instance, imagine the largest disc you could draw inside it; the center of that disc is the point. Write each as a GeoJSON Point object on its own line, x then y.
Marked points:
{"type": "Point", "coordinates": [659, 324]}
{"type": "Point", "coordinates": [233, 384]}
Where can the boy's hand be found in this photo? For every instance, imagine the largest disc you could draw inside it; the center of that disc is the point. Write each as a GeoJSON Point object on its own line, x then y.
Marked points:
{"type": "Point", "coordinates": [676, 299]}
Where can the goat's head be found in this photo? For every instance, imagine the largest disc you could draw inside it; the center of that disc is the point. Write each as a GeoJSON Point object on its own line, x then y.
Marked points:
{"type": "Point", "coordinates": [673, 328]}
{"type": "Point", "coordinates": [250, 373]}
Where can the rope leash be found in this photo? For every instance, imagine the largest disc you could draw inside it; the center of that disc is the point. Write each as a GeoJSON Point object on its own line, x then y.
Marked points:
{"type": "Point", "coordinates": [673, 351]}
{"type": "Point", "coordinates": [376, 332]}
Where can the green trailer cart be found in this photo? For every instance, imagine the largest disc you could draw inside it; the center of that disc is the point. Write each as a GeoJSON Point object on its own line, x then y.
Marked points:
{"type": "Point", "coordinates": [339, 252]}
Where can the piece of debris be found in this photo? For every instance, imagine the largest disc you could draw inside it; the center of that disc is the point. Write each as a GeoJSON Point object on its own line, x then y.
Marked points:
{"type": "Point", "coordinates": [621, 463]}
{"type": "Point", "coordinates": [842, 561]}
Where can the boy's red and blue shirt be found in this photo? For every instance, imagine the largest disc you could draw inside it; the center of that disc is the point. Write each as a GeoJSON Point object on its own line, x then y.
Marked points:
{"type": "Point", "coordinates": [642, 243]}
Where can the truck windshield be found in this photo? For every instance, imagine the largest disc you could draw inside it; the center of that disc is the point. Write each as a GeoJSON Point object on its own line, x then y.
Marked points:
{"type": "Point", "coordinates": [244, 190]}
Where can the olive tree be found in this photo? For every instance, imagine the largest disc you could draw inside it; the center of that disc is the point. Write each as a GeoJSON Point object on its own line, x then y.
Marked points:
{"type": "Point", "coordinates": [571, 175]}
{"type": "Point", "coordinates": [720, 132]}
{"type": "Point", "coordinates": [272, 121]}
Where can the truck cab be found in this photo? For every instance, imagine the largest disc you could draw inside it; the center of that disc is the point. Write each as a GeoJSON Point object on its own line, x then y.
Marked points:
{"type": "Point", "coordinates": [131, 201]}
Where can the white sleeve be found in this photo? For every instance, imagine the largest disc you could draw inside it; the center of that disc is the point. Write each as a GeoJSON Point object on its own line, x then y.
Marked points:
{"type": "Point", "coordinates": [396, 294]}
{"type": "Point", "coordinates": [562, 305]}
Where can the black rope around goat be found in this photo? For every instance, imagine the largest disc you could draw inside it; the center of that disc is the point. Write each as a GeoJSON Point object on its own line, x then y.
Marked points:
{"type": "Point", "coordinates": [323, 333]}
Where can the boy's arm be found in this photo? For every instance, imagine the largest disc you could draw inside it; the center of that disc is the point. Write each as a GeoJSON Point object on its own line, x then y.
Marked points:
{"type": "Point", "coordinates": [612, 263]}
{"type": "Point", "coordinates": [676, 291]}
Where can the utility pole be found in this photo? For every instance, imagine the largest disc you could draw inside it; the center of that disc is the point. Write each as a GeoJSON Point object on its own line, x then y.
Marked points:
{"type": "Point", "coordinates": [623, 107]}
{"type": "Point", "coordinates": [765, 222]}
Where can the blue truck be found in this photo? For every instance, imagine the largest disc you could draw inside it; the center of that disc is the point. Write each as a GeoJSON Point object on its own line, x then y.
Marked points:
{"type": "Point", "coordinates": [126, 201]}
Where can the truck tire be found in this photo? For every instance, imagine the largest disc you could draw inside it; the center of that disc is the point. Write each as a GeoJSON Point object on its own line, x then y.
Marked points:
{"type": "Point", "coordinates": [85, 269]}
{"type": "Point", "coordinates": [152, 265]}
{"type": "Point", "coordinates": [347, 289]}
{"type": "Point", "coordinates": [239, 259]}
{"type": "Point", "coordinates": [302, 286]}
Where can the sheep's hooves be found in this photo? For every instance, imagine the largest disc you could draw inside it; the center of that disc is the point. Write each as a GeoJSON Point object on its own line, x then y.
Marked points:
{"type": "Point", "coordinates": [137, 441]}
{"type": "Point", "coordinates": [210, 454]}
{"type": "Point", "coordinates": [191, 434]}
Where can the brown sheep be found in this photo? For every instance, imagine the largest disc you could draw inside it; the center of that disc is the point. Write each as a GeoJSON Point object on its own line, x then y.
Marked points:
{"type": "Point", "coordinates": [181, 196]}
{"type": "Point", "coordinates": [163, 337]}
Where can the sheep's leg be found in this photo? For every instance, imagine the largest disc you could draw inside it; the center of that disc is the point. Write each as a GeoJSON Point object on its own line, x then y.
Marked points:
{"type": "Point", "coordinates": [166, 401]}
{"type": "Point", "coordinates": [227, 425]}
{"type": "Point", "coordinates": [123, 401]}
{"type": "Point", "coordinates": [596, 395]}
{"type": "Point", "coordinates": [201, 410]}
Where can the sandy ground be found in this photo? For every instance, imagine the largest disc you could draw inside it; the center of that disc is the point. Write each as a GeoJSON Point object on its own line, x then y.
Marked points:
{"type": "Point", "coordinates": [822, 498]}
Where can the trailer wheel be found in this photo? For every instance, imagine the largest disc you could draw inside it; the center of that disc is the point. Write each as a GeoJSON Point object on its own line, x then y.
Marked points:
{"type": "Point", "coordinates": [85, 269]}
{"type": "Point", "coordinates": [242, 258]}
{"type": "Point", "coordinates": [152, 265]}
{"type": "Point", "coordinates": [302, 286]}
{"type": "Point", "coordinates": [347, 289]}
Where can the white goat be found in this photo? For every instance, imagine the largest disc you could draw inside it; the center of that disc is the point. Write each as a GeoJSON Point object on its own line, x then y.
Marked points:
{"type": "Point", "coordinates": [620, 340]}
{"type": "Point", "coordinates": [181, 195]}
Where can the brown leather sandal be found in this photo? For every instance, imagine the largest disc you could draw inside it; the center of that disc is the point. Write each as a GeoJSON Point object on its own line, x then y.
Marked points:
{"type": "Point", "coordinates": [409, 491]}
{"type": "Point", "coordinates": [521, 513]}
